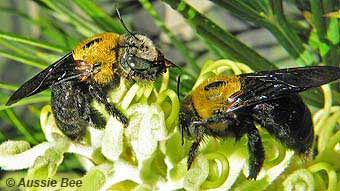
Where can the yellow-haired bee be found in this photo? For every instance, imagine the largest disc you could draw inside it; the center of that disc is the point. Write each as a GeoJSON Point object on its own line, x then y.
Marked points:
{"type": "Point", "coordinates": [229, 106]}
{"type": "Point", "coordinates": [88, 72]}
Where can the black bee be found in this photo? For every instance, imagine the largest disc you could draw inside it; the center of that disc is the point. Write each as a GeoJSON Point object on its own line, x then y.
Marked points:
{"type": "Point", "coordinates": [87, 73]}
{"type": "Point", "coordinates": [230, 106]}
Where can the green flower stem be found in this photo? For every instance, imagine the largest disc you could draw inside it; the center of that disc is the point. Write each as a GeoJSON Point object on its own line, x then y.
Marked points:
{"type": "Point", "coordinates": [175, 105]}
{"type": "Point", "coordinates": [218, 180]}
{"type": "Point", "coordinates": [332, 176]}
{"type": "Point", "coordinates": [327, 92]}
{"type": "Point", "coordinates": [165, 81]}
{"type": "Point", "coordinates": [212, 68]}
{"type": "Point", "coordinates": [318, 114]}
{"type": "Point", "coordinates": [327, 131]}
{"type": "Point", "coordinates": [275, 152]}
{"type": "Point", "coordinates": [45, 111]}
{"type": "Point", "coordinates": [129, 96]}
{"type": "Point", "coordinates": [202, 78]}
{"type": "Point", "coordinates": [221, 63]}
{"type": "Point", "coordinates": [146, 93]}
{"type": "Point", "coordinates": [335, 139]}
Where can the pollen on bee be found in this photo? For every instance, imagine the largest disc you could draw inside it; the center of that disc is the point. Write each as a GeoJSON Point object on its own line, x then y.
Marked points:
{"type": "Point", "coordinates": [98, 52]}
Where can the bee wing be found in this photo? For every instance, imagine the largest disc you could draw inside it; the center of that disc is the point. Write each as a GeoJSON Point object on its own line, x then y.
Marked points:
{"type": "Point", "coordinates": [262, 86]}
{"type": "Point", "coordinates": [61, 69]}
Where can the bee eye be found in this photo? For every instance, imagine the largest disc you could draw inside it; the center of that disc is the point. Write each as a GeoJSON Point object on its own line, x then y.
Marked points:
{"type": "Point", "coordinates": [132, 61]}
{"type": "Point", "coordinates": [136, 63]}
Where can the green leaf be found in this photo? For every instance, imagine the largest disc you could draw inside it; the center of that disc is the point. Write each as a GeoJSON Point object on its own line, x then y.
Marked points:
{"type": "Point", "coordinates": [271, 17]}
{"type": "Point", "coordinates": [32, 42]}
{"type": "Point", "coordinates": [102, 19]}
{"type": "Point", "coordinates": [26, 101]}
{"type": "Point", "coordinates": [177, 43]}
{"type": "Point", "coordinates": [8, 86]}
{"type": "Point", "coordinates": [19, 125]}
{"type": "Point", "coordinates": [22, 59]}
{"type": "Point", "coordinates": [220, 38]}
{"type": "Point", "coordinates": [83, 26]}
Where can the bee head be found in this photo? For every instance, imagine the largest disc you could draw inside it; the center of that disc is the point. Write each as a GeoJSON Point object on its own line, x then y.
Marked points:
{"type": "Point", "coordinates": [187, 117]}
{"type": "Point", "coordinates": [140, 59]}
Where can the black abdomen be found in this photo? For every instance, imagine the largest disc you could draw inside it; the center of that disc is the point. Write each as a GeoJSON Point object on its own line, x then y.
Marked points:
{"type": "Point", "coordinates": [289, 120]}
{"type": "Point", "coordinates": [71, 108]}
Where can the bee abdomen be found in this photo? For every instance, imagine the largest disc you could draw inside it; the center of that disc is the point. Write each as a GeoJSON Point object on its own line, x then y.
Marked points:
{"type": "Point", "coordinates": [71, 108]}
{"type": "Point", "coordinates": [289, 120]}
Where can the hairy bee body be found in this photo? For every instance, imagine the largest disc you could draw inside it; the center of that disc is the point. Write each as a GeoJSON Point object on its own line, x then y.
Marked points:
{"type": "Point", "coordinates": [87, 74]}
{"type": "Point", "coordinates": [230, 106]}
{"type": "Point", "coordinates": [99, 49]}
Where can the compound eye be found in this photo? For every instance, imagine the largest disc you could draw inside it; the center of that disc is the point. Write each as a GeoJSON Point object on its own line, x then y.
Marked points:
{"type": "Point", "coordinates": [131, 61]}
{"type": "Point", "coordinates": [136, 63]}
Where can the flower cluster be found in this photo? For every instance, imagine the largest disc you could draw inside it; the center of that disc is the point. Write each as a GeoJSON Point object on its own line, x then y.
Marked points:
{"type": "Point", "coordinates": [148, 155]}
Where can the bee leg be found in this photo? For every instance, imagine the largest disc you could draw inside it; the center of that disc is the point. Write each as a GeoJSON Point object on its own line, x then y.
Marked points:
{"type": "Point", "coordinates": [100, 95]}
{"type": "Point", "coordinates": [255, 149]}
{"type": "Point", "coordinates": [97, 119]}
{"type": "Point", "coordinates": [198, 133]}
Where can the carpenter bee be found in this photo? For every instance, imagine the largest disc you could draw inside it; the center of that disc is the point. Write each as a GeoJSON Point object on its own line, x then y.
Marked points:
{"type": "Point", "coordinates": [230, 106]}
{"type": "Point", "coordinates": [88, 72]}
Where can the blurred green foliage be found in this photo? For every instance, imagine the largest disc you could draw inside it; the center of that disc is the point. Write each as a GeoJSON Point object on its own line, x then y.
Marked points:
{"type": "Point", "coordinates": [41, 31]}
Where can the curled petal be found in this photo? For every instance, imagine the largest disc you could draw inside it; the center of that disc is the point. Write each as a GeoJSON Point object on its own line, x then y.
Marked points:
{"type": "Point", "coordinates": [146, 128]}
{"type": "Point", "coordinates": [299, 180]}
{"type": "Point", "coordinates": [112, 140]}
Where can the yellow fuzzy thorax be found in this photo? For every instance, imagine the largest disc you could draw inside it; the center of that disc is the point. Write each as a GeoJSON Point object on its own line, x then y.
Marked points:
{"type": "Point", "coordinates": [208, 101]}
{"type": "Point", "coordinates": [100, 51]}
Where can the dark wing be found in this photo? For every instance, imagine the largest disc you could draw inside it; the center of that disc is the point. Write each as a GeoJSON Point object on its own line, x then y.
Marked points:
{"type": "Point", "coordinates": [62, 69]}
{"type": "Point", "coordinates": [262, 86]}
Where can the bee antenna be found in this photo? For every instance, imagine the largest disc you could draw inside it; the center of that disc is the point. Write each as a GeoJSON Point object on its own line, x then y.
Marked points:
{"type": "Point", "coordinates": [177, 91]}
{"type": "Point", "coordinates": [122, 22]}
{"type": "Point", "coordinates": [178, 86]}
